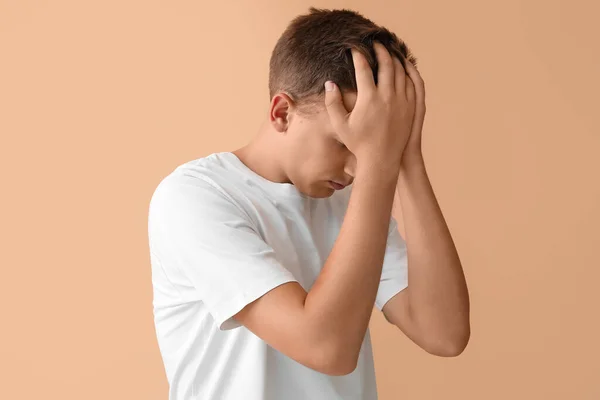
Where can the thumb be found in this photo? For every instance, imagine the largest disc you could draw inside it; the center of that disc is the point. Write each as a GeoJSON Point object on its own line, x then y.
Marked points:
{"type": "Point", "coordinates": [333, 102]}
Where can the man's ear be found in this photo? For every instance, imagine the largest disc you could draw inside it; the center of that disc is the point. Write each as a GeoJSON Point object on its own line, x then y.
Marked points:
{"type": "Point", "coordinates": [281, 109]}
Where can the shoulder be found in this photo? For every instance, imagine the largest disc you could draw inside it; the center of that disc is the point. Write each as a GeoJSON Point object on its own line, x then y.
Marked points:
{"type": "Point", "coordinates": [200, 184]}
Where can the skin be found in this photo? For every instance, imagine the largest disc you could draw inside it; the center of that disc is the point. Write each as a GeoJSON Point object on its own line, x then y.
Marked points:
{"type": "Point", "coordinates": [304, 150]}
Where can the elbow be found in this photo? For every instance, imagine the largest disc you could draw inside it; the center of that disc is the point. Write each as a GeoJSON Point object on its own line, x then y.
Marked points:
{"type": "Point", "coordinates": [334, 361]}
{"type": "Point", "coordinates": [346, 363]}
{"type": "Point", "coordinates": [447, 351]}
{"type": "Point", "coordinates": [341, 367]}
{"type": "Point", "coordinates": [449, 347]}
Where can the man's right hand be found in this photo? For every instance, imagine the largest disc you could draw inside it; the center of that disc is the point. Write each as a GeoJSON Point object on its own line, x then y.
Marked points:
{"type": "Point", "coordinates": [378, 128]}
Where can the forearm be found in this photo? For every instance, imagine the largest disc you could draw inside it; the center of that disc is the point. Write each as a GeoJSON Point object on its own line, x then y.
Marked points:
{"type": "Point", "coordinates": [341, 300]}
{"type": "Point", "coordinates": [438, 295]}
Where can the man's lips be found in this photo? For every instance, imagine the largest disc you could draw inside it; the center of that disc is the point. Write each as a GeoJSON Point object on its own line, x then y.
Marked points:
{"type": "Point", "coordinates": [337, 185]}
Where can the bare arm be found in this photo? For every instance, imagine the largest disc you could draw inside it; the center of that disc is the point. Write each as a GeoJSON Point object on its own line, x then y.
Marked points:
{"type": "Point", "coordinates": [434, 311]}
{"type": "Point", "coordinates": [341, 301]}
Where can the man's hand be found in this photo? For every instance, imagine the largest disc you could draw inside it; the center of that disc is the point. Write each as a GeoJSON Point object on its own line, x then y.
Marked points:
{"type": "Point", "coordinates": [378, 128]}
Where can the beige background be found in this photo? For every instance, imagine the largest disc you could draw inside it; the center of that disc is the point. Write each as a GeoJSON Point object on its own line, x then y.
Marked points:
{"type": "Point", "coordinates": [100, 99]}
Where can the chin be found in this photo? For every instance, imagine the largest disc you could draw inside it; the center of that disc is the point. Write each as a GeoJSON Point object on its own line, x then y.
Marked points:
{"type": "Point", "coordinates": [320, 193]}
{"type": "Point", "coordinates": [319, 190]}
{"type": "Point", "coordinates": [327, 192]}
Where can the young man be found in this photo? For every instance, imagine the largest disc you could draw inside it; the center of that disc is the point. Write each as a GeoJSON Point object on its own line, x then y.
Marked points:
{"type": "Point", "coordinates": [266, 263]}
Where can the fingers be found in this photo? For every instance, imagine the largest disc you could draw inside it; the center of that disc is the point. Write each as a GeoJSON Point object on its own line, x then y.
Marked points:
{"type": "Point", "coordinates": [335, 105]}
{"type": "Point", "coordinates": [365, 84]}
{"type": "Point", "coordinates": [385, 76]}
{"type": "Point", "coordinates": [415, 77]}
{"type": "Point", "coordinates": [400, 76]}
{"type": "Point", "coordinates": [410, 90]}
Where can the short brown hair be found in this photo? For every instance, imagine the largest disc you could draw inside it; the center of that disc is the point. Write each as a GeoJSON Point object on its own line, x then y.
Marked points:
{"type": "Point", "coordinates": [315, 47]}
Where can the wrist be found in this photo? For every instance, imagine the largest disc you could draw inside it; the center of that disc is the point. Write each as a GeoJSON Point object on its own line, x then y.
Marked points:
{"type": "Point", "coordinates": [377, 172]}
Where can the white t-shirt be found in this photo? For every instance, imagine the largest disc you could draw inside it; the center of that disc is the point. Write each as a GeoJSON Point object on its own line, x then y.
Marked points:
{"type": "Point", "coordinates": [220, 237]}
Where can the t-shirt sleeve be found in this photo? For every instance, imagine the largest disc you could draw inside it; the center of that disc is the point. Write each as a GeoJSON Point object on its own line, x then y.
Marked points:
{"type": "Point", "coordinates": [200, 230]}
{"type": "Point", "coordinates": [394, 274]}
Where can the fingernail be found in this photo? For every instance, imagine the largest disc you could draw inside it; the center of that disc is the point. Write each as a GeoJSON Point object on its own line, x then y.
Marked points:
{"type": "Point", "coordinates": [329, 86]}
